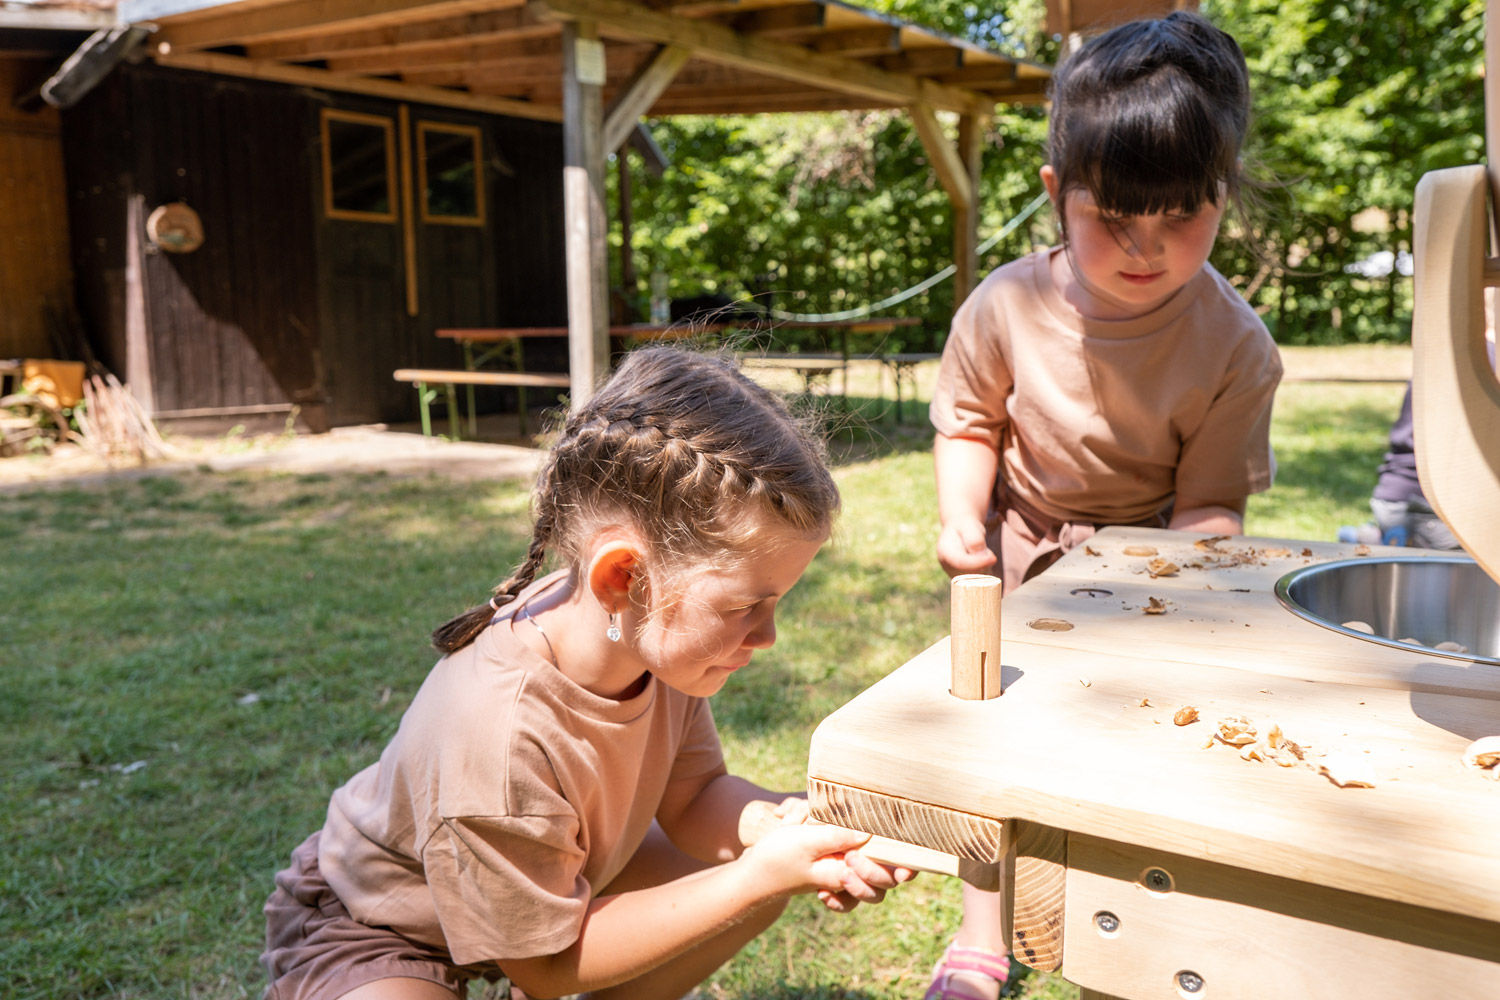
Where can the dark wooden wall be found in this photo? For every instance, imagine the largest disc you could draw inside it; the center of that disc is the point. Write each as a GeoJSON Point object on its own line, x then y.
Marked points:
{"type": "Point", "coordinates": [283, 305]}
{"type": "Point", "coordinates": [35, 273]}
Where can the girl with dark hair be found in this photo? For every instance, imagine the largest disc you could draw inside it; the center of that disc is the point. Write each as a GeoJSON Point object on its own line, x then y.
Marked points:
{"type": "Point", "coordinates": [1118, 378]}
{"type": "Point", "coordinates": [554, 808]}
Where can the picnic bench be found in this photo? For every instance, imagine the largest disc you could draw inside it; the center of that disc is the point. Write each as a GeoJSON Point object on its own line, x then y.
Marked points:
{"type": "Point", "coordinates": [485, 347]}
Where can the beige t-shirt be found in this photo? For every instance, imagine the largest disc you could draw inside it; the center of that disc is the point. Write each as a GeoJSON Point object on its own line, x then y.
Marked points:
{"type": "Point", "coordinates": [1107, 421]}
{"type": "Point", "coordinates": [508, 797]}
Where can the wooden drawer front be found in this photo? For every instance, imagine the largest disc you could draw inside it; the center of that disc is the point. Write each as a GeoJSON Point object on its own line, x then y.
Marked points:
{"type": "Point", "coordinates": [1251, 936]}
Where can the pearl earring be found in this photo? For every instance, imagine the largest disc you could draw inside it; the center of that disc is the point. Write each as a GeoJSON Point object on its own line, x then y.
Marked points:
{"type": "Point", "coordinates": [613, 632]}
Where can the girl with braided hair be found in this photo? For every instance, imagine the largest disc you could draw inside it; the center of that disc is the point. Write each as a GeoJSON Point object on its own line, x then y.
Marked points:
{"type": "Point", "coordinates": [554, 808]}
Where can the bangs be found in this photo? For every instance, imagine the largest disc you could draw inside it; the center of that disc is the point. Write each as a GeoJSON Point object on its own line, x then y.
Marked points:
{"type": "Point", "coordinates": [1154, 146]}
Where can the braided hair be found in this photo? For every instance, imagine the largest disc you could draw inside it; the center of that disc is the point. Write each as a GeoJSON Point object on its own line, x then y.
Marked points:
{"type": "Point", "coordinates": [683, 448]}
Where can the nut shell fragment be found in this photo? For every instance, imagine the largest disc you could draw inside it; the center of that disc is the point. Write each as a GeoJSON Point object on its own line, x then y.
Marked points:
{"type": "Point", "coordinates": [1156, 606]}
{"type": "Point", "coordinates": [1485, 755]}
{"type": "Point", "coordinates": [1161, 567]}
{"type": "Point", "coordinates": [1139, 550]}
{"type": "Point", "coordinates": [1347, 772]}
{"type": "Point", "coordinates": [1050, 625]}
{"type": "Point", "coordinates": [1184, 715]}
{"type": "Point", "coordinates": [1236, 730]}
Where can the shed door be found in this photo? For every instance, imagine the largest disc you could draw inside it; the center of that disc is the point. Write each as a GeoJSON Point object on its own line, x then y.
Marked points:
{"type": "Point", "coordinates": [406, 250]}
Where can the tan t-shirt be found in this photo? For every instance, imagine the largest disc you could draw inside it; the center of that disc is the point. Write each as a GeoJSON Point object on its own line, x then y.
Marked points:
{"type": "Point", "coordinates": [1107, 421]}
{"type": "Point", "coordinates": [508, 797]}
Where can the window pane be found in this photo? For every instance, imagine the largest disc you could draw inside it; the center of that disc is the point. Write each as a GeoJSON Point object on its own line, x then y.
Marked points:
{"type": "Point", "coordinates": [358, 163]}
{"type": "Point", "coordinates": [452, 174]}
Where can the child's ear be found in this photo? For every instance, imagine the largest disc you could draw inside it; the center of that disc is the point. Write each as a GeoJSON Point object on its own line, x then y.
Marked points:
{"type": "Point", "coordinates": [611, 571]}
{"type": "Point", "coordinates": [1049, 181]}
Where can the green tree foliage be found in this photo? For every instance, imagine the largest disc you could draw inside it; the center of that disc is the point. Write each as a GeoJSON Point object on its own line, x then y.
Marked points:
{"type": "Point", "coordinates": [1355, 100]}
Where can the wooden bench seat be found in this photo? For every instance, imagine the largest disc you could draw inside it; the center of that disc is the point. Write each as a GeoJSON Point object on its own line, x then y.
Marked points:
{"type": "Point", "coordinates": [451, 377]}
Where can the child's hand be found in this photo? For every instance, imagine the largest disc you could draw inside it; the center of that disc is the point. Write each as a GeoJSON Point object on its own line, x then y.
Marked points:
{"type": "Point", "coordinates": [825, 860]}
{"type": "Point", "coordinates": [961, 548]}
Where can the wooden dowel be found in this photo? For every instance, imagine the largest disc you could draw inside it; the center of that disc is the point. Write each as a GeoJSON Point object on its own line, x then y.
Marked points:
{"type": "Point", "coordinates": [975, 646]}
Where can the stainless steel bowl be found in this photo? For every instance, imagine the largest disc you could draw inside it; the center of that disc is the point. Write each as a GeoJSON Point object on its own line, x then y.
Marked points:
{"type": "Point", "coordinates": [1429, 600]}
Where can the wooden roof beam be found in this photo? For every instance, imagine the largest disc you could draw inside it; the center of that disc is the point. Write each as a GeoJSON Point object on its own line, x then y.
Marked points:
{"type": "Point", "coordinates": [621, 18]}
{"type": "Point", "coordinates": [951, 171]}
{"type": "Point", "coordinates": [536, 40]}
{"type": "Point", "coordinates": [288, 20]}
{"type": "Point", "coordinates": [640, 93]}
{"type": "Point", "coordinates": [854, 42]}
{"type": "Point", "coordinates": [922, 60]}
{"type": "Point", "coordinates": [779, 21]}
{"type": "Point", "coordinates": [213, 62]}
{"type": "Point", "coordinates": [340, 42]}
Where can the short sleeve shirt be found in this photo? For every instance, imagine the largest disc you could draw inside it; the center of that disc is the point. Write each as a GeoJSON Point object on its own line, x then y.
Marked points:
{"type": "Point", "coordinates": [508, 797]}
{"type": "Point", "coordinates": [1106, 421]}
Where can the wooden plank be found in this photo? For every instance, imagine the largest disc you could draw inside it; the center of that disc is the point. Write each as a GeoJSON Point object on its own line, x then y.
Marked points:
{"type": "Point", "coordinates": [1244, 936]}
{"type": "Point", "coordinates": [857, 41]}
{"type": "Point", "coordinates": [417, 39]}
{"type": "Point", "coordinates": [539, 39]}
{"type": "Point", "coordinates": [213, 62]}
{"type": "Point", "coordinates": [460, 376]}
{"type": "Point", "coordinates": [408, 214]}
{"type": "Point", "coordinates": [639, 93]}
{"type": "Point", "coordinates": [1455, 396]}
{"type": "Point", "coordinates": [720, 44]}
{"type": "Point", "coordinates": [239, 25]}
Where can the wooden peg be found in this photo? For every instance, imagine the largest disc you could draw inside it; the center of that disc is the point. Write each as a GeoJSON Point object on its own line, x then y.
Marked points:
{"type": "Point", "coordinates": [975, 646]}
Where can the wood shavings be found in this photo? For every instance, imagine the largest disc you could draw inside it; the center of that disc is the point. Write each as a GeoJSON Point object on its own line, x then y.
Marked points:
{"type": "Point", "coordinates": [1236, 730]}
{"type": "Point", "coordinates": [1210, 544]}
{"type": "Point", "coordinates": [1139, 550]}
{"type": "Point", "coordinates": [1145, 703]}
{"type": "Point", "coordinates": [1161, 567]}
{"type": "Point", "coordinates": [1276, 552]}
{"type": "Point", "coordinates": [1185, 715]}
{"type": "Point", "coordinates": [1156, 606]}
{"type": "Point", "coordinates": [1050, 625]}
{"type": "Point", "coordinates": [1485, 755]}
{"type": "Point", "coordinates": [1347, 771]}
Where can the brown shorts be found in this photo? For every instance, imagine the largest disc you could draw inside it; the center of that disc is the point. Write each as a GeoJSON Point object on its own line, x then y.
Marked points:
{"type": "Point", "coordinates": [316, 951]}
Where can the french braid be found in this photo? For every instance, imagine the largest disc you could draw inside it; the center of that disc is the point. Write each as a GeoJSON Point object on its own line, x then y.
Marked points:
{"type": "Point", "coordinates": [685, 449]}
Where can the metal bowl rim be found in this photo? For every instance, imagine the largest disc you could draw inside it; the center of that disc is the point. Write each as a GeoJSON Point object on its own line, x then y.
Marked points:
{"type": "Point", "coordinates": [1283, 595]}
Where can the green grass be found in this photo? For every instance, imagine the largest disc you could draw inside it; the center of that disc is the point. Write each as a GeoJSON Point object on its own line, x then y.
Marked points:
{"type": "Point", "coordinates": [192, 664]}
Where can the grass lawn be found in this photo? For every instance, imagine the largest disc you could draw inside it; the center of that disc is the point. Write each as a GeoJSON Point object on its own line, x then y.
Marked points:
{"type": "Point", "coordinates": [193, 663]}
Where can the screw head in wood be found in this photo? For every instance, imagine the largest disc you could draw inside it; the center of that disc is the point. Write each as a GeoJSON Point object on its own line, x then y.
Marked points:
{"type": "Point", "coordinates": [1157, 880]}
{"type": "Point", "coordinates": [1189, 982]}
{"type": "Point", "coordinates": [1107, 922]}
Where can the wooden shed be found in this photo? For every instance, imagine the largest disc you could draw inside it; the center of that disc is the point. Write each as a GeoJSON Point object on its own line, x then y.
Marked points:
{"type": "Point", "coordinates": [274, 203]}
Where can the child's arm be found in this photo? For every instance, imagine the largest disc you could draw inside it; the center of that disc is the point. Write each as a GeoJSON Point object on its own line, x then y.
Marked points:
{"type": "Point", "coordinates": [701, 815]}
{"type": "Point", "coordinates": [627, 935]}
{"type": "Point", "coordinates": [966, 469]}
{"type": "Point", "coordinates": [1213, 517]}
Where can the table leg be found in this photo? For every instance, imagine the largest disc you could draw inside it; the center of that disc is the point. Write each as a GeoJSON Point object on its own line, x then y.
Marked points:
{"type": "Point", "coordinates": [425, 396]}
{"type": "Point", "coordinates": [452, 410]}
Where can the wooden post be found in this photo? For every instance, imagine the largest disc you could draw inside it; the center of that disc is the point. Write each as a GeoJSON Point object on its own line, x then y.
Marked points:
{"type": "Point", "coordinates": [583, 208]}
{"type": "Point", "coordinates": [1037, 884]}
{"type": "Point", "coordinates": [975, 645]}
{"type": "Point", "coordinates": [966, 216]}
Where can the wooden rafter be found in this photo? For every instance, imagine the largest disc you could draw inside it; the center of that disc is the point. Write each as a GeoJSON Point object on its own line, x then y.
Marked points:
{"type": "Point", "coordinates": [639, 94]}
{"type": "Point", "coordinates": [289, 20]}
{"type": "Point", "coordinates": [620, 18]}
{"type": "Point", "coordinates": [336, 40]}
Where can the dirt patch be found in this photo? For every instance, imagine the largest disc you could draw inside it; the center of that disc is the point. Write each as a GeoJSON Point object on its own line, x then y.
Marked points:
{"type": "Point", "coordinates": [367, 449]}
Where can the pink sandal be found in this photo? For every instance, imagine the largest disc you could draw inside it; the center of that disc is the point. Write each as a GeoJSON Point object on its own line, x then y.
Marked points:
{"type": "Point", "coordinates": [958, 975]}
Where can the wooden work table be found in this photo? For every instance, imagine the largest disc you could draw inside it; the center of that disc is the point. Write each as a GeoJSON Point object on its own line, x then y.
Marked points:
{"type": "Point", "coordinates": [1135, 854]}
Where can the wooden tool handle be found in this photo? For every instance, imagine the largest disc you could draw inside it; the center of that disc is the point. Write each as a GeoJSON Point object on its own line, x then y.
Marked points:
{"type": "Point", "coordinates": [759, 818]}
{"type": "Point", "coordinates": [975, 646]}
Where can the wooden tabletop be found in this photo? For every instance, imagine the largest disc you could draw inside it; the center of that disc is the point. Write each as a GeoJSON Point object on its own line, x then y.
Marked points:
{"type": "Point", "coordinates": [1083, 737]}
